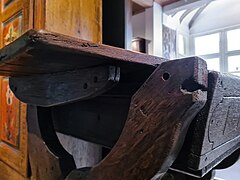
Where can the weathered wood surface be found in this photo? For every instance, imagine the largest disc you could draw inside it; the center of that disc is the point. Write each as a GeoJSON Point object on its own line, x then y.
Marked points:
{"type": "Point", "coordinates": [64, 87]}
{"type": "Point", "coordinates": [99, 120]}
{"type": "Point", "coordinates": [215, 132]}
{"type": "Point", "coordinates": [47, 157]}
{"type": "Point", "coordinates": [158, 119]}
{"type": "Point", "coordinates": [95, 119]}
{"type": "Point", "coordinates": [8, 173]}
{"type": "Point", "coordinates": [41, 52]}
{"type": "Point", "coordinates": [219, 121]}
{"type": "Point", "coordinates": [81, 19]}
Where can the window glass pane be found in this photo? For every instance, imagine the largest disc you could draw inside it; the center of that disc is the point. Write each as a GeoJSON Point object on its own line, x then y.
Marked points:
{"type": "Point", "coordinates": [233, 63]}
{"type": "Point", "coordinates": [181, 44]}
{"type": "Point", "coordinates": [213, 64]}
{"type": "Point", "coordinates": [233, 37]}
{"type": "Point", "coordinates": [208, 44]}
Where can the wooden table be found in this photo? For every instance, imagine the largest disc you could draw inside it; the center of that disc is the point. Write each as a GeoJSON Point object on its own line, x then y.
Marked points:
{"type": "Point", "coordinates": [139, 105]}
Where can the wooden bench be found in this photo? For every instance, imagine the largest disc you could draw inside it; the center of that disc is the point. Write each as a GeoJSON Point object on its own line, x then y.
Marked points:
{"type": "Point", "coordinates": [138, 105]}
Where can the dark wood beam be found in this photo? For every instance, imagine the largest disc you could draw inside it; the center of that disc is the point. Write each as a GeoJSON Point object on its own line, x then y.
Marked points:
{"type": "Point", "coordinates": [153, 134]}
{"type": "Point", "coordinates": [64, 87]}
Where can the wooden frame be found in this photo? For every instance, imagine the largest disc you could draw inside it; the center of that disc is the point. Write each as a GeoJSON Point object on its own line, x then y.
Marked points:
{"type": "Point", "coordinates": [10, 12]}
{"type": "Point", "coordinates": [13, 151]}
{"type": "Point", "coordinates": [16, 17]}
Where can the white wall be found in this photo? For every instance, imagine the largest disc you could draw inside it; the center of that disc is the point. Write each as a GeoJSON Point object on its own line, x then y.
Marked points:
{"type": "Point", "coordinates": [138, 25]}
{"type": "Point", "coordinates": [231, 173]}
{"type": "Point", "coordinates": [148, 25]}
{"type": "Point", "coordinates": [218, 14]}
{"type": "Point", "coordinates": [181, 28]}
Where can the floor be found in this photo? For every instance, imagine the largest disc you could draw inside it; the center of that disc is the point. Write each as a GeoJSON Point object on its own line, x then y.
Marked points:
{"type": "Point", "coordinates": [231, 173]}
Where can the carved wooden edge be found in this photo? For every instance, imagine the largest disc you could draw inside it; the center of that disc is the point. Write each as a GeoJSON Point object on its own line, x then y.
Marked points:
{"type": "Point", "coordinates": [42, 39]}
{"type": "Point", "coordinates": [159, 116]}
{"type": "Point", "coordinates": [92, 49]}
{"type": "Point", "coordinates": [216, 130]}
{"type": "Point", "coordinates": [48, 159]}
{"type": "Point", "coordinates": [61, 88]}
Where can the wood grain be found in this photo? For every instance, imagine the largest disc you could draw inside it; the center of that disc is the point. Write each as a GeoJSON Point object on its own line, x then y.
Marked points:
{"type": "Point", "coordinates": [217, 127]}
{"type": "Point", "coordinates": [16, 158]}
{"type": "Point", "coordinates": [49, 51]}
{"type": "Point", "coordinates": [15, 18]}
{"type": "Point", "coordinates": [7, 173]}
{"type": "Point", "coordinates": [214, 132]}
{"type": "Point", "coordinates": [84, 21]}
{"type": "Point", "coordinates": [48, 159]}
{"type": "Point", "coordinates": [39, 14]}
{"type": "Point", "coordinates": [159, 116]}
{"type": "Point", "coordinates": [22, 7]}
{"type": "Point", "coordinates": [62, 88]}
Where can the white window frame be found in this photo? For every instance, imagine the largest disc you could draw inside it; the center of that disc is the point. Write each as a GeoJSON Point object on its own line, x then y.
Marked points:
{"type": "Point", "coordinates": [223, 52]}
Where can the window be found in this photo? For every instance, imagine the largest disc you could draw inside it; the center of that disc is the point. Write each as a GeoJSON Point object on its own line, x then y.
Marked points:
{"type": "Point", "coordinates": [208, 44]}
{"type": "Point", "coordinates": [213, 64]}
{"type": "Point", "coordinates": [233, 38]}
{"type": "Point", "coordinates": [181, 45]}
{"type": "Point", "coordinates": [221, 50]}
{"type": "Point", "coordinates": [234, 64]}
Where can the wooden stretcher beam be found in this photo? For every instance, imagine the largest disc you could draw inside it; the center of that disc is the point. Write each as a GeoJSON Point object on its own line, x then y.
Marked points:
{"type": "Point", "coordinates": [64, 87]}
{"type": "Point", "coordinates": [160, 112]}
{"type": "Point", "coordinates": [159, 116]}
{"type": "Point", "coordinates": [41, 52]}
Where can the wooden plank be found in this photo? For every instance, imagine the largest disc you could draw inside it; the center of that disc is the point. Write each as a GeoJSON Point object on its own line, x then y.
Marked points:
{"type": "Point", "coordinates": [61, 88]}
{"type": "Point", "coordinates": [217, 128]}
{"type": "Point", "coordinates": [15, 18]}
{"type": "Point", "coordinates": [55, 48]}
{"type": "Point", "coordinates": [8, 173]}
{"type": "Point", "coordinates": [99, 120]}
{"type": "Point", "coordinates": [13, 131]}
{"type": "Point", "coordinates": [92, 119]}
{"type": "Point", "coordinates": [48, 159]}
{"type": "Point", "coordinates": [84, 21]}
{"type": "Point", "coordinates": [153, 134]}
{"type": "Point", "coordinates": [214, 133]}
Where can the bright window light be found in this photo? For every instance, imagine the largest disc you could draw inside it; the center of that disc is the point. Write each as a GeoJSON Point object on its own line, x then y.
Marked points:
{"type": "Point", "coordinates": [236, 74]}
{"type": "Point", "coordinates": [208, 44]}
{"type": "Point", "coordinates": [181, 44]}
{"type": "Point", "coordinates": [233, 63]}
{"type": "Point", "coordinates": [233, 38]}
{"type": "Point", "coordinates": [213, 64]}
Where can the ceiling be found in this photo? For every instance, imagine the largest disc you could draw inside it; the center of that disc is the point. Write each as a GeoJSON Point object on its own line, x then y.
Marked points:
{"type": "Point", "coordinates": [185, 10]}
{"type": "Point", "coordinates": [171, 6]}
{"type": "Point", "coordinates": [148, 3]}
{"type": "Point", "coordinates": [166, 2]}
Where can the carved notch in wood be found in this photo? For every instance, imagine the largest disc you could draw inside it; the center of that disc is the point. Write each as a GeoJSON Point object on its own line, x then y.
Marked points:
{"type": "Point", "coordinates": [64, 87]}
{"type": "Point", "coordinates": [159, 116]}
